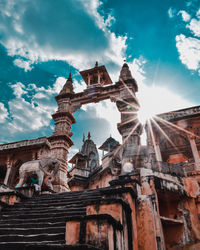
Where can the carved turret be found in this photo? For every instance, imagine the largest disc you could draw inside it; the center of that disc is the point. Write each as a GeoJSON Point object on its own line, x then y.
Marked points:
{"type": "Point", "coordinates": [128, 105]}
{"type": "Point", "coordinates": [85, 162]}
{"type": "Point", "coordinates": [126, 76]}
{"type": "Point", "coordinates": [63, 118]}
{"type": "Point", "coordinates": [68, 87]}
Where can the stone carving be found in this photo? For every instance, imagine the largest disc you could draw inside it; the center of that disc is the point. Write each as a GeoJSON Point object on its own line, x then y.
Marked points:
{"type": "Point", "coordinates": [25, 143]}
{"type": "Point", "coordinates": [42, 168]}
{"type": "Point", "coordinates": [180, 113]}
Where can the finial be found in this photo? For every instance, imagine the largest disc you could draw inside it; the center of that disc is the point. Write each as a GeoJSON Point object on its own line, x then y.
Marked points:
{"type": "Point", "coordinates": [70, 76]}
{"type": "Point", "coordinates": [125, 64]}
{"type": "Point", "coordinates": [89, 136]}
{"type": "Point", "coordinates": [83, 137]}
{"type": "Point", "coordinates": [96, 64]}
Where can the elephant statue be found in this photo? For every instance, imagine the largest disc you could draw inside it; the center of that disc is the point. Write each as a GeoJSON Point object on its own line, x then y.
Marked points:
{"type": "Point", "coordinates": [42, 168]}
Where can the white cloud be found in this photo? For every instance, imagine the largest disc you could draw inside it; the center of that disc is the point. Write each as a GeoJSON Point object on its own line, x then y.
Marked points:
{"type": "Point", "coordinates": [59, 83]}
{"type": "Point", "coordinates": [79, 87]}
{"type": "Point", "coordinates": [106, 110]}
{"type": "Point", "coordinates": [34, 114]}
{"type": "Point", "coordinates": [3, 113]}
{"type": "Point", "coordinates": [194, 26]}
{"type": "Point", "coordinates": [26, 65]}
{"type": "Point", "coordinates": [19, 89]}
{"type": "Point", "coordinates": [189, 51]}
{"type": "Point", "coordinates": [171, 12]}
{"type": "Point", "coordinates": [26, 116]}
{"type": "Point", "coordinates": [29, 32]}
{"type": "Point", "coordinates": [185, 16]}
{"type": "Point", "coordinates": [136, 68]}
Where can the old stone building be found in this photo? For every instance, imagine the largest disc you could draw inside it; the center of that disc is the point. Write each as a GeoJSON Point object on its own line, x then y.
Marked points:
{"type": "Point", "coordinates": [136, 197]}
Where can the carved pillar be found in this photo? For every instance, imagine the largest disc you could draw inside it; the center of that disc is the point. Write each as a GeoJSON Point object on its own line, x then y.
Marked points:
{"type": "Point", "coordinates": [129, 127]}
{"type": "Point", "coordinates": [61, 138]}
{"type": "Point", "coordinates": [61, 141]}
{"type": "Point", "coordinates": [8, 165]}
{"type": "Point", "coordinates": [194, 152]}
{"type": "Point", "coordinates": [158, 152]}
{"type": "Point", "coordinates": [153, 140]}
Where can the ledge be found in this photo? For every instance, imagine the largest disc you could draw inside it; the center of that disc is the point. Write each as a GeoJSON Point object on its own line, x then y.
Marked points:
{"type": "Point", "coordinates": [170, 221]}
{"type": "Point", "coordinates": [116, 224]}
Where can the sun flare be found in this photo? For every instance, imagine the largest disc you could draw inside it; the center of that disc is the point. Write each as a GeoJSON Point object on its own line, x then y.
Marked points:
{"type": "Point", "coordinates": [156, 100]}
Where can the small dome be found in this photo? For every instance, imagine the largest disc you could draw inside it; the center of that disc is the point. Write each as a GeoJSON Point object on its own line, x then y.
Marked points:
{"type": "Point", "coordinates": [125, 65]}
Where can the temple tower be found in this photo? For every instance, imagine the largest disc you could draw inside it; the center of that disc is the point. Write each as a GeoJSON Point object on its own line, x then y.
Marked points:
{"type": "Point", "coordinates": [61, 138]}
{"type": "Point", "coordinates": [129, 127]}
{"type": "Point", "coordinates": [84, 163]}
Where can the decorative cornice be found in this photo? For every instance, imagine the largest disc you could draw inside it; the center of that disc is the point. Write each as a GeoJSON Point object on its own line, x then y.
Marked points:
{"type": "Point", "coordinates": [64, 114]}
{"type": "Point", "coordinates": [56, 137]}
{"type": "Point", "coordinates": [26, 143]}
{"type": "Point", "coordinates": [181, 114]}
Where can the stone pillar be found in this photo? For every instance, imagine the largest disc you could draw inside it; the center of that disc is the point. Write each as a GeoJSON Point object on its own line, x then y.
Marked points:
{"type": "Point", "coordinates": [88, 80]}
{"type": "Point", "coordinates": [33, 155]}
{"type": "Point", "coordinates": [194, 152]}
{"type": "Point", "coordinates": [8, 170]}
{"type": "Point", "coordinates": [129, 127]}
{"type": "Point", "coordinates": [152, 140]}
{"type": "Point", "coordinates": [99, 78]}
{"type": "Point", "coordinates": [61, 138]}
{"type": "Point", "coordinates": [158, 152]}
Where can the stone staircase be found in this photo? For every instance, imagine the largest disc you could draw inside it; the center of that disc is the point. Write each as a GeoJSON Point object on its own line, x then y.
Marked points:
{"type": "Point", "coordinates": [40, 222]}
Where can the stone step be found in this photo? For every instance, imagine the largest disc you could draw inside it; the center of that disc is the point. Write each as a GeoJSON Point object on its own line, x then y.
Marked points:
{"type": "Point", "coordinates": [45, 245]}
{"type": "Point", "coordinates": [66, 200]}
{"type": "Point", "coordinates": [40, 214]}
{"type": "Point", "coordinates": [28, 231]}
{"type": "Point", "coordinates": [43, 210]}
{"type": "Point", "coordinates": [33, 225]}
{"type": "Point", "coordinates": [69, 194]}
{"type": "Point", "coordinates": [35, 206]}
{"type": "Point", "coordinates": [38, 220]}
{"type": "Point", "coordinates": [32, 238]}
{"type": "Point", "coordinates": [52, 204]}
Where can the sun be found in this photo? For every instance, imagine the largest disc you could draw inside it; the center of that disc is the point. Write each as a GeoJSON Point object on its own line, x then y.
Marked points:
{"type": "Point", "coordinates": [156, 100]}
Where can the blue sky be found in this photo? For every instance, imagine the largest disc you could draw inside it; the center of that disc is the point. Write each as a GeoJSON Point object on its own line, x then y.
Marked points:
{"type": "Point", "coordinates": [41, 41]}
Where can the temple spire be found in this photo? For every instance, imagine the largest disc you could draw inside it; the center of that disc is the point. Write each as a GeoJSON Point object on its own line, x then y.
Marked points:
{"type": "Point", "coordinates": [126, 76]}
{"type": "Point", "coordinates": [68, 87]}
{"type": "Point", "coordinates": [70, 77]}
{"type": "Point", "coordinates": [89, 135]}
{"type": "Point", "coordinates": [125, 73]}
